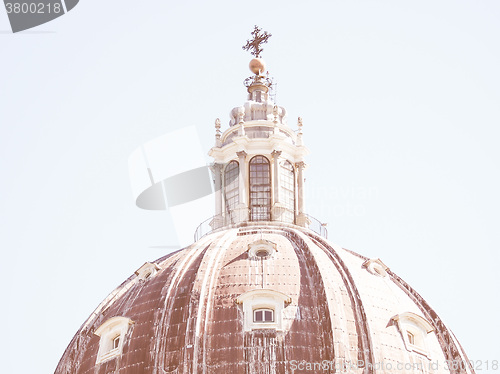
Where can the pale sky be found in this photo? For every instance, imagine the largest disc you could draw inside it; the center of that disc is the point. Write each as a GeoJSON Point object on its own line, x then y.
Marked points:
{"type": "Point", "coordinates": [400, 102]}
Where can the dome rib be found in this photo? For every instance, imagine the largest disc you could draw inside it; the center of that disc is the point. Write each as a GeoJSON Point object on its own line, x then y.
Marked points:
{"type": "Point", "coordinates": [311, 276]}
{"type": "Point", "coordinates": [444, 336]}
{"type": "Point", "coordinates": [365, 347]}
{"type": "Point", "coordinates": [206, 302]}
{"type": "Point", "coordinates": [193, 257]}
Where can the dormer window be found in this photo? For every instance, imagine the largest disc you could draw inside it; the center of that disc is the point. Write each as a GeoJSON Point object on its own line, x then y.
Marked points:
{"type": "Point", "coordinates": [263, 309]}
{"type": "Point", "coordinates": [147, 270]}
{"type": "Point", "coordinates": [376, 267]}
{"type": "Point", "coordinates": [261, 249]}
{"type": "Point", "coordinates": [263, 315]}
{"type": "Point", "coordinates": [112, 337]}
{"type": "Point", "coordinates": [414, 330]}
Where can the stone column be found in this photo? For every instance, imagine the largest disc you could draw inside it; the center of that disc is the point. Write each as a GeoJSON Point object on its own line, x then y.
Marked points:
{"type": "Point", "coordinates": [278, 208]}
{"type": "Point", "coordinates": [218, 219]}
{"type": "Point", "coordinates": [276, 183]}
{"type": "Point", "coordinates": [242, 208]}
{"type": "Point", "coordinates": [302, 219]}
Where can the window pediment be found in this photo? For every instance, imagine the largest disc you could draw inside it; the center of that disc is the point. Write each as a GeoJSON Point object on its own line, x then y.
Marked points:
{"type": "Point", "coordinates": [264, 293]}
{"type": "Point", "coordinates": [412, 318]}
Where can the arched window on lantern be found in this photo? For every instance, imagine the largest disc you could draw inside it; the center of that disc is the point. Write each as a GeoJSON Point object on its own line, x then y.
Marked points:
{"type": "Point", "coordinates": [231, 188]}
{"type": "Point", "coordinates": [260, 189]}
{"type": "Point", "coordinates": [287, 193]}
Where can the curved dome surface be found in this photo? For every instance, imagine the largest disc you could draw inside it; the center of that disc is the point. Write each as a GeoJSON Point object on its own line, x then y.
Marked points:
{"type": "Point", "coordinates": [197, 311]}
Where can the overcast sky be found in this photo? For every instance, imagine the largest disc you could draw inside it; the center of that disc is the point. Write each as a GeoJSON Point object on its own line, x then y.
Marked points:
{"type": "Point", "coordinates": [400, 102]}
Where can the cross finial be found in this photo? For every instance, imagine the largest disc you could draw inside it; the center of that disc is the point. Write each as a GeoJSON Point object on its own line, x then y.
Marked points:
{"type": "Point", "coordinates": [258, 38]}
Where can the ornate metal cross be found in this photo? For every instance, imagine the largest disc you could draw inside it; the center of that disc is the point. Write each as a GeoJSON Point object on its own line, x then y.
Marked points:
{"type": "Point", "coordinates": [255, 43]}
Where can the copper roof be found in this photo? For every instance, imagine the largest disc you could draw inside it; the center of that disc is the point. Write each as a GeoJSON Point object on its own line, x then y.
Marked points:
{"type": "Point", "coordinates": [186, 319]}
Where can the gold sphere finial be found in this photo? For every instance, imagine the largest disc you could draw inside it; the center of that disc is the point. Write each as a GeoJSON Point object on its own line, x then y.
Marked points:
{"type": "Point", "coordinates": [257, 66]}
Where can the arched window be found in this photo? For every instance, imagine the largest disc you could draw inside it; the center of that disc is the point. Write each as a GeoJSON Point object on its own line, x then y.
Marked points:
{"type": "Point", "coordinates": [260, 189]}
{"type": "Point", "coordinates": [116, 342]}
{"type": "Point", "coordinates": [263, 315]}
{"type": "Point", "coordinates": [287, 193]}
{"type": "Point", "coordinates": [231, 187]}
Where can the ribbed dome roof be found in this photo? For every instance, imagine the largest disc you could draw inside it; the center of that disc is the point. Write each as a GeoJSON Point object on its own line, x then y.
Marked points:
{"type": "Point", "coordinates": [191, 311]}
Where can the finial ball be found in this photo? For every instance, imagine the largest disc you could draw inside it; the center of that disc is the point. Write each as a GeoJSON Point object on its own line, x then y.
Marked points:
{"type": "Point", "coordinates": [257, 66]}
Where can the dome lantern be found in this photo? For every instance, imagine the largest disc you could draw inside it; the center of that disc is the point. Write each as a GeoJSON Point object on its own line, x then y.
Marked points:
{"type": "Point", "coordinates": [260, 158]}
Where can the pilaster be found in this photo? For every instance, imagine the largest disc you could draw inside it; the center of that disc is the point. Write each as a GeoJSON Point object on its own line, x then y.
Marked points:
{"type": "Point", "coordinates": [278, 208]}
{"type": "Point", "coordinates": [302, 219]}
{"type": "Point", "coordinates": [241, 211]}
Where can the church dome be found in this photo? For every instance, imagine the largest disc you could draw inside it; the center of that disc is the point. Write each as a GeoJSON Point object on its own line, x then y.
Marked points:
{"type": "Point", "coordinates": [262, 289]}
{"type": "Point", "coordinates": [203, 309]}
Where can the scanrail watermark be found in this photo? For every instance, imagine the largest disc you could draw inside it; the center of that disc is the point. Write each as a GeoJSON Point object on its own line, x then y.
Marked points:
{"type": "Point", "coordinates": [418, 366]}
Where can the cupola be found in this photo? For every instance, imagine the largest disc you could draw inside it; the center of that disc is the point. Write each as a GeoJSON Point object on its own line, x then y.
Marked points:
{"type": "Point", "coordinates": [259, 160]}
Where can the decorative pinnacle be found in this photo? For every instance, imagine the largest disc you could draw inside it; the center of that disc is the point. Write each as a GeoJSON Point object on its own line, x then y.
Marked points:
{"type": "Point", "coordinates": [217, 133]}
{"type": "Point", "coordinates": [299, 135]}
{"type": "Point", "coordinates": [275, 113]}
{"type": "Point", "coordinates": [258, 38]}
